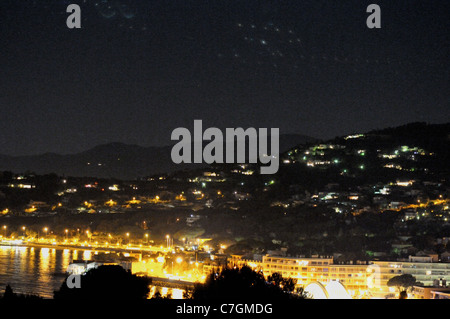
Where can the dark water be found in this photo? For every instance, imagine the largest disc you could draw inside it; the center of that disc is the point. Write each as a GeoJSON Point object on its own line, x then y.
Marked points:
{"type": "Point", "coordinates": [37, 271]}
{"type": "Point", "coordinates": [40, 271]}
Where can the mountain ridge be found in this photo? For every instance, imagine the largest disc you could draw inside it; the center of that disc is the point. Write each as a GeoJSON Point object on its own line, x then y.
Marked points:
{"type": "Point", "coordinates": [114, 160]}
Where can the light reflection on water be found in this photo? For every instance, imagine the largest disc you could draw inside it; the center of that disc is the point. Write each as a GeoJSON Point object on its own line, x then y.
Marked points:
{"type": "Point", "coordinates": [87, 255]}
{"type": "Point", "coordinates": [40, 271]}
{"type": "Point", "coordinates": [33, 270]}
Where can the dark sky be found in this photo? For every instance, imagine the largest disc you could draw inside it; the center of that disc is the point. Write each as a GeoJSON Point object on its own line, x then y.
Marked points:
{"type": "Point", "coordinates": [136, 70]}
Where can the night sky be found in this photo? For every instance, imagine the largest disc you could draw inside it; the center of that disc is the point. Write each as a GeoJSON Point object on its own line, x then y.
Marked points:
{"type": "Point", "coordinates": [136, 70]}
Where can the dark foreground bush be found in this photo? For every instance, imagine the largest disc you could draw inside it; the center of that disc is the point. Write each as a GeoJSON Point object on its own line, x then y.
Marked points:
{"type": "Point", "coordinates": [107, 282]}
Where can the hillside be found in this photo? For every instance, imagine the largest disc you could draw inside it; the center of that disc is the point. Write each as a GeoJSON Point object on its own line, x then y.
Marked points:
{"type": "Point", "coordinates": [113, 160]}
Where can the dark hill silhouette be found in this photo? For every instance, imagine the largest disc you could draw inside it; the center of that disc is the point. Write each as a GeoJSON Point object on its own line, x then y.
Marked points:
{"type": "Point", "coordinates": [114, 160]}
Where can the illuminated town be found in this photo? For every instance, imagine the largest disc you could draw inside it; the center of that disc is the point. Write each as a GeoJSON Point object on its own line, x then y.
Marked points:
{"type": "Point", "coordinates": [255, 151]}
{"type": "Point", "coordinates": [180, 227]}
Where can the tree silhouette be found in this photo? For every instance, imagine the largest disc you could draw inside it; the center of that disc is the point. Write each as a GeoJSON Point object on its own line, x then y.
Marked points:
{"type": "Point", "coordinates": [9, 295]}
{"type": "Point", "coordinates": [158, 296]}
{"type": "Point", "coordinates": [241, 284]}
{"type": "Point", "coordinates": [403, 282]}
{"type": "Point", "coordinates": [286, 284]}
{"type": "Point", "coordinates": [107, 282]}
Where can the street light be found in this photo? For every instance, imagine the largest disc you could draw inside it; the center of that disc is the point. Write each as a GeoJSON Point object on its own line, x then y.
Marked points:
{"type": "Point", "coordinates": [128, 238]}
{"type": "Point", "coordinates": [45, 229]}
{"type": "Point", "coordinates": [4, 229]}
{"type": "Point", "coordinates": [89, 235]}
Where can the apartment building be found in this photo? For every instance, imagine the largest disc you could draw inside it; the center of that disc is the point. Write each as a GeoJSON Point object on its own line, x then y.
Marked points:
{"type": "Point", "coordinates": [361, 279]}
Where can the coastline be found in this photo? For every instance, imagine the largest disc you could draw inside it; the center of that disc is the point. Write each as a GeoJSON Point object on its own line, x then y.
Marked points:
{"type": "Point", "coordinates": [75, 247]}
